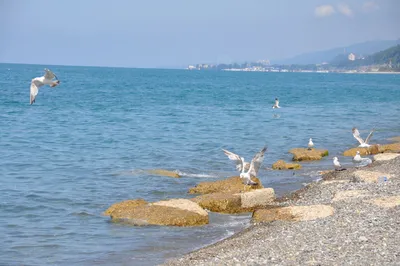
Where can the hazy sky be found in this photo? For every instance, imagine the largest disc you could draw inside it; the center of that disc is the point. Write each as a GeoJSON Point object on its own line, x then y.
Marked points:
{"type": "Point", "coordinates": [173, 33]}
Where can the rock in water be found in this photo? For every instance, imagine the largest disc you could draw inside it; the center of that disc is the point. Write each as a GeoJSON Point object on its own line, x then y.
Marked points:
{"type": "Point", "coordinates": [231, 185]}
{"type": "Point", "coordinates": [303, 154]}
{"type": "Point", "coordinates": [282, 165]}
{"type": "Point", "coordinates": [374, 149]}
{"type": "Point", "coordinates": [225, 202]}
{"type": "Point", "coordinates": [174, 212]}
{"type": "Point", "coordinates": [163, 172]}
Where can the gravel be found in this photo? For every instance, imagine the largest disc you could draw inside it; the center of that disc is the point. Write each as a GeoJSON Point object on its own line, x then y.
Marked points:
{"type": "Point", "coordinates": [358, 233]}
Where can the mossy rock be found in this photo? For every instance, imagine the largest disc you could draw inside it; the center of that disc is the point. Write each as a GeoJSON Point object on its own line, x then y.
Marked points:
{"type": "Point", "coordinates": [224, 202]}
{"type": "Point", "coordinates": [232, 185]}
{"type": "Point", "coordinates": [393, 147]}
{"type": "Point", "coordinates": [282, 165]}
{"type": "Point", "coordinates": [304, 154]}
{"type": "Point", "coordinates": [126, 204]}
{"type": "Point", "coordinates": [163, 172]}
{"type": "Point", "coordinates": [174, 212]}
{"type": "Point", "coordinates": [374, 149]}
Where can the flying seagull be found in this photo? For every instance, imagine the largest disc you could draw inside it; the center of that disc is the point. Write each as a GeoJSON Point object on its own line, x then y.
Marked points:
{"type": "Point", "coordinates": [356, 135]}
{"type": "Point", "coordinates": [361, 161]}
{"type": "Point", "coordinates": [234, 157]}
{"type": "Point", "coordinates": [38, 82]}
{"type": "Point", "coordinates": [253, 168]}
{"type": "Point", "coordinates": [310, 144]}
{"type": "Point", "coordinates": [276, 105]}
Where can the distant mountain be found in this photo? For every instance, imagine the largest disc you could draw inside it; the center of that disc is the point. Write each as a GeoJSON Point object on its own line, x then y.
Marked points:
{"type": "Point", "coordinates": [365, 48]}
{"type": "Point", "coordinates": [388, 58]}
{"type": "Point", "coordinates": [391, 55]}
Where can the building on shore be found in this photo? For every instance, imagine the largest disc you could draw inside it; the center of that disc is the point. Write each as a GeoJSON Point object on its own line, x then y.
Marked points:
{"type": "Point", "coordinates": [352, 57]}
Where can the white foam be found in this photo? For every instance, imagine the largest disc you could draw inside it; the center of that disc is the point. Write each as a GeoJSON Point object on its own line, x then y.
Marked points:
{"type": "Point", "coordinates": [201, 175]}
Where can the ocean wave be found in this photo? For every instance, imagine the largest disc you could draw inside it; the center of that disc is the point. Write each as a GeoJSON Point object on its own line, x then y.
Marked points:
{"type": "Point", "coordinates": [82, 214]}
{"type": "Point", "coordinates": [200, 175]}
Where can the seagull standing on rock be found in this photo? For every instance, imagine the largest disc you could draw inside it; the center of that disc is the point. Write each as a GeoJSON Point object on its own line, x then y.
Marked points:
{"type": "Point", "coordinates": [336, 163]}
{"type": "Point", "coordinates": [38, 82]}
{"type": "Point", "coordinates": [310, 144]}
{"type": "Point", "coordinates": [361, 161]}
{"type": "Point", "coordinates": [356, 135]}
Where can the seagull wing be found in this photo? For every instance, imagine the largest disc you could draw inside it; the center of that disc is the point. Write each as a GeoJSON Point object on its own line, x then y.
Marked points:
{"type": "Point", "coordinates": [246, 166]}
{"type": "Point", "coordinates": [49, 74]}
{"type": "Point", "coordinates": [276, 102]}
{"type": "Point", "coordinates": [35, 84]}
{"type": "Point", "coordinates": [369, 136]}
{"type": "Point", "coordinates": [356, 135]}
{"type": "Point", "coordinates": [236, 158]}
{"type": "Point", "coordinates": [256, 162]}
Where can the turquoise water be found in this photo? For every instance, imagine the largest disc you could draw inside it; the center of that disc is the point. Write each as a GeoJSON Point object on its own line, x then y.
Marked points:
{"type": "Point", "coordinates": [81, 146]}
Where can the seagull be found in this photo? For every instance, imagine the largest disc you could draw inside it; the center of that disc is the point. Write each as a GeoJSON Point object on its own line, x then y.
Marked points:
{"type": "Point", "coordinates": [276, 105]}
{"type": "Point", "coordinates": [361, 161]}
{"type": "Point", "coordinates": [356, 135]}
{"type": "Point", "coordinates": [336, 163]}
{"type": "Point", "coordinates": [253, 168]}
{"type": "Point", "coordinates": [234, 157]}
{"type": "Point", "coordinates": [38, 82]}
{"type": "Point", "coordinates": [310, 144]}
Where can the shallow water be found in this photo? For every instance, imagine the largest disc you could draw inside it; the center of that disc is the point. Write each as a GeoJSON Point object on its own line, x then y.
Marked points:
{"type": "Point", "coordinates": [69, 156]}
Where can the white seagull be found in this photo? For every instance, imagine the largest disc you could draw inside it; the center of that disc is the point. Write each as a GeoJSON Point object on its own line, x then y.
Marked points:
{"type": "Point", "coordinates": [253, 168]}
{"type": "Point", "coordinates": [234, 157]}
{"type": "Point", "coordinates": [356, 135]}
{"type": "Point", "coordinates": [276, 105]}
{"type": "Point", "coordinates": [310, 144]}
{"type": "Point", "coordinates": [38, 82]}
{"type": "Point", "coordinates": [337, 164]}
{"type": "Point", "coordinates": [361, 161]}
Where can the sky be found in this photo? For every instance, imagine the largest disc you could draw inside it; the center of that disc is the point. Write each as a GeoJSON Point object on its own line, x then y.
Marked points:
{"type": "Point", "coordinates": [174, 33]}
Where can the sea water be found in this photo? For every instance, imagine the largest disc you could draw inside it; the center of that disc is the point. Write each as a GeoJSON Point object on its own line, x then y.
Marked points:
{"type": "Point", "coordinates": [88, 142]}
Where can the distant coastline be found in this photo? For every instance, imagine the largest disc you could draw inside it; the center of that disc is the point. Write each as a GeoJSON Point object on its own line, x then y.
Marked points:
{"type": "Point", "coordinates": [288, 70]}
{"type": "Point", "coordinates": [386, 61]}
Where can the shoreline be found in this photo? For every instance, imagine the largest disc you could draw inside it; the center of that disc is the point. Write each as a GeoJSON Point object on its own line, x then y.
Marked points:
{"type": "Point", "coordinates": [267, 243]}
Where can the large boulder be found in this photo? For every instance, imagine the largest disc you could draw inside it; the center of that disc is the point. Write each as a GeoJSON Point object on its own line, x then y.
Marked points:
{"type": "Point", "coordinates": [393, 147]}
{"type": "Point", "coordinates": [163, 172]}
{"type": "Point", "coordinates": [304, 154]}
{"type": "Point", "coordinates": [282, 165]}
{"type": "Point", "coordinates": [224, 202]}
{"type": "Point", "coordinates": [174, 212]}
{"type": "Point", "coordinates": [374, 149]}
{"type": "Point", "coordinates": [293, 213]}
{"type": "Point", "coordinates": [232, 185]}
{"type": "Point", "coordinates": [124, 205]}
{"type": "Point", "coordinates": [385, 156]}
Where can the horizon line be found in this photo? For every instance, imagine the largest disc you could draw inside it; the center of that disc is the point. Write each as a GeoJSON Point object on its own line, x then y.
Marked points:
{"type": "Point", "coordinates": [99, 66]}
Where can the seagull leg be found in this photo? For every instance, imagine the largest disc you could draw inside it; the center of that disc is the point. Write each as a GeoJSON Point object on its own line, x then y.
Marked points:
{"type": "Point", "coordinates": [251, 182]}
{"type": "Point", "coordinates": [55, 83]}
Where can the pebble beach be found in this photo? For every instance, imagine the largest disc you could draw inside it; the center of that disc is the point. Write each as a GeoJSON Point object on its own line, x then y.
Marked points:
{"type": "Point", "coordinates": [361, 226]}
